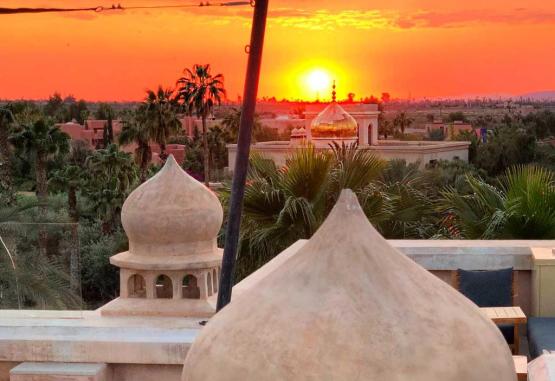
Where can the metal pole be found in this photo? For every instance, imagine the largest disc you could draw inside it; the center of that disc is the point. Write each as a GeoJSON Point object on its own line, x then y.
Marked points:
{"type": "Point", "coordinates": [243, 149]}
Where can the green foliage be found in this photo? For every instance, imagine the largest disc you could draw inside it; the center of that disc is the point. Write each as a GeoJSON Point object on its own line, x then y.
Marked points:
{"type": "Point", "coordinates": [104, 112]}
{"type": "Point", "coordinates": [507, 146]}
{"type": "Point", "coordinates": [545, 156]}
{"type": "Point", "coordinates": [456, 117]}
{"type": "Point", "coordinates": [231, 122]}
{"type": "Point", "coordinates": [541, 124]}
{"type": "Point", "coordinates": [65, 110]}
{"type": "Point", "coordinates": [450, 174]}
{"type": "Point", "coordinates": [137, 129]}
{"type": "Point", "coordinates": [100, 279]}
{"type": "Point", "coordinates": [285, 204]}
{"type": "Point", "coordinates": [27, 278]}
{"type": "Point", "coordinates": [402, 122]}
{"type": "Point", "coordinates": [112, 175]}
{"type": "Point", "coordinates": [159, 117]}
{"type": "Point", "coordinates": [55, 107]}
{"type": "Point", "coordinates": [25, 112]}
{"type": "Point", "coordinates": [199, 91]}
{"type": "Point", "coordinates": [7, 191]}
{"type": "Point", "coordinates": [218, 138]}
{"type": "Point", "coordinates": [38, 143]}
{"type": "Point", "coordinates": [521, 206]}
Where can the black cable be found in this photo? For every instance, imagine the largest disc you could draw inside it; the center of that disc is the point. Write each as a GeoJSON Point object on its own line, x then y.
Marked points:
{"type": "Point", "coordinates": [119, 7]}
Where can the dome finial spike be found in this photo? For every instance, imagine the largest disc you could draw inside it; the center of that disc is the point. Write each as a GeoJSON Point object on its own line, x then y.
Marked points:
{"type": "Point", "coordinates": [333, 93]}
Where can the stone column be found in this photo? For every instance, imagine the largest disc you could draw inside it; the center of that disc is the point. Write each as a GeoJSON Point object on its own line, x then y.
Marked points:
{"type": "Point", "coordinates": [202, 285]}
{"type": "Point", "coordinates": [362, 132]}
{"type": "Point", "coordinates": [150, 280]}
{"type": "Point", "coordinates": [124, 283]}
{"type": "Point", "coordinates": [374, 133]}
{"type": "Point", "coordinates": [177, 282]}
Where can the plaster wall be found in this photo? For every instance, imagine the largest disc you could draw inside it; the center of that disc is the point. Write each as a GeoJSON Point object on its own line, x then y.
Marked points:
{"type": "Point", "coordinates": [412, 153]}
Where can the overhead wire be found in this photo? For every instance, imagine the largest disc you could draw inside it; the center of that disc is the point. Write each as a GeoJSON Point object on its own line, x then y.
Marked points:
{"type": "Point", "coordinates": [119, 7]}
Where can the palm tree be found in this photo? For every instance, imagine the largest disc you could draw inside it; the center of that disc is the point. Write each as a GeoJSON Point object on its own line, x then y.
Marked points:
{"type": "Point", "coordinates": [6, 187]}
{"type": "Point", "coordinates": [71, 179]}
{"type": "Point", "coordinates": [112, 175]}
{"type": "Point", "coordinates": [199, 91]}
{"type": "Point", "coordinates": [285, 204]}
{"type": "Point", "coordinates": [135, 130]}
{"type": "Point", "coordinates": [231, 122]}
{"type": "Point", "coordinates": [30, 279]}
{"type": "Point", "coordinates": [520, 206]}
{"type": "Point", "coordinates": [402, 121]}
{"type": "Point", "coordinates": [218, 138]}
{"type": "Point", "coordinates": [159, 109]}
{"type": "Point", "coordinates": [40, 142]}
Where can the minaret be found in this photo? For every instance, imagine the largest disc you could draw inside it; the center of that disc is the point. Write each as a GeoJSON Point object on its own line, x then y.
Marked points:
{"type": "Point", "coordinates": [172, 267]}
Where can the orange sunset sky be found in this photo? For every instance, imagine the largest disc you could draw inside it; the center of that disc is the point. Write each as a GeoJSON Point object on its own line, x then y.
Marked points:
{"type": "Point", "coordinates": [422, 48]}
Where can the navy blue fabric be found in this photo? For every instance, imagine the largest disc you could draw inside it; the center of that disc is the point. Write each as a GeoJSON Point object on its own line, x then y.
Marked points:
{"type": "Point", "coordinates": [490, 289]}
{"type": "Point", "coordinates": [541, 335]}
{"type": "Point", "coordinates": [487, 288]}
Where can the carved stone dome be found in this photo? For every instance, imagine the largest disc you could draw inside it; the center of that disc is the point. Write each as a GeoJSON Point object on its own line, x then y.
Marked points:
{"type": "Point", "coordinates": [174, 216]}
{"type": "Point", "coordinates": [349, 306]}
{"type": "Point", "coordinates": [334, 123]}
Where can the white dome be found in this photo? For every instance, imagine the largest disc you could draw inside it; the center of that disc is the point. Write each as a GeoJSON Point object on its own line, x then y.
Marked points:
{"type": "Point", "coordinates": [349, 306]}
{"type": "Point", "coordinates": [172, 215]}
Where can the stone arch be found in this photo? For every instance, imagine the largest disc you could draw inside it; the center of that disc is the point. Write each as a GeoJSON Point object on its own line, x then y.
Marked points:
{"type": "Point", "coordinates": [164, 287]}
{"type": "Point", "coordinates": [136, 286]}
{"type": "Point", "coordinates": [190, 289]}
{"type": "Point", "coordinates": [215, 280]}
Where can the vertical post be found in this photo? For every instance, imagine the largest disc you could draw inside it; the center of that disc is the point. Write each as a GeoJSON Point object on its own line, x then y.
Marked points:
{"type": "Point", "coordinates": [243, 149]}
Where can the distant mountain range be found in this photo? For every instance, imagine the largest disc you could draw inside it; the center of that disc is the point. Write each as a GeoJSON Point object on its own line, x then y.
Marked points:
{"type": "Point", "coordinates": [540, 95]}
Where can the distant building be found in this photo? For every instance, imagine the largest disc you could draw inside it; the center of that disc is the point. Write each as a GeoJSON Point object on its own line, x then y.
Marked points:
{"type": "Point", "coordinates": [450, 130]}
{"type": "Point", "coordinates": [353, 123]}
{"type": "Point", "coordinates": [92, 132]}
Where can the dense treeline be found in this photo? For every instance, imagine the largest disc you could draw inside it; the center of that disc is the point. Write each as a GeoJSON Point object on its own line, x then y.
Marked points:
{"type": "Point", "coordinates": [60, 200]}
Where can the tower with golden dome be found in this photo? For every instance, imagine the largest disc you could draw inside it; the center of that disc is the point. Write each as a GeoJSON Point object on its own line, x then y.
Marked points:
{"type": "Point", "coordinates": [173, 263]}
{"type": "Point", "coordinates": [334, 123]}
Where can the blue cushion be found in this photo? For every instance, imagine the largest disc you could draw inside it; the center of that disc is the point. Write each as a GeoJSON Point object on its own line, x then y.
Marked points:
{"type": "Point", "coordinates": [541, 335]}
{"type": "Point", "coordinates": [487, 288]}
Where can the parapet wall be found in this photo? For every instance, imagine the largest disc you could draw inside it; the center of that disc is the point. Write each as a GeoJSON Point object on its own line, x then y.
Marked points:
{"type": "Point", "coordinates": [153, 349]}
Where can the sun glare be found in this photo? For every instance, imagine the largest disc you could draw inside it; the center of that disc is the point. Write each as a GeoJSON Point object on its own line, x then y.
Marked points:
{"type": "Point", "coordinates": [319, 81]}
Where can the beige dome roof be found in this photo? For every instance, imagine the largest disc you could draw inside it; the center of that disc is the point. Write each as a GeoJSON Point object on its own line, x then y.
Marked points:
{"type": "Point", "coordinates": [171, 215]}
{"type": "Point", "coordinates": [346, 307]}
{"type": "Point", "coordinates": [334, 122]}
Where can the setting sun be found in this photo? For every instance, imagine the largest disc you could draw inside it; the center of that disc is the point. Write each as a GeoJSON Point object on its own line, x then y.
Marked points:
{"type": "Point", "coordinates": [318, 81]}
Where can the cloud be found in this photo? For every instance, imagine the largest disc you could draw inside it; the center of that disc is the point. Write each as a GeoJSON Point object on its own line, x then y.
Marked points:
{"type": "Point", "coordinates": [431, 19]}
{"type": "Point", "coordinates": [326, 19]}
{"type": "Point", "coordinates": [369, 19]}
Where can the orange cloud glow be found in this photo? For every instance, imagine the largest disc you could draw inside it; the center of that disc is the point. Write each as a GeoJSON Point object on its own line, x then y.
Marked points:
{"type": "Point", "coordinates": [425, 48]}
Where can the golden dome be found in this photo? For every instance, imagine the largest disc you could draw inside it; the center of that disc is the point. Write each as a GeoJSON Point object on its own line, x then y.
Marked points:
{"type": "Point", "coordinates": [334, 123]}
{"type": "Point", "coordinates": [349, 306]}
